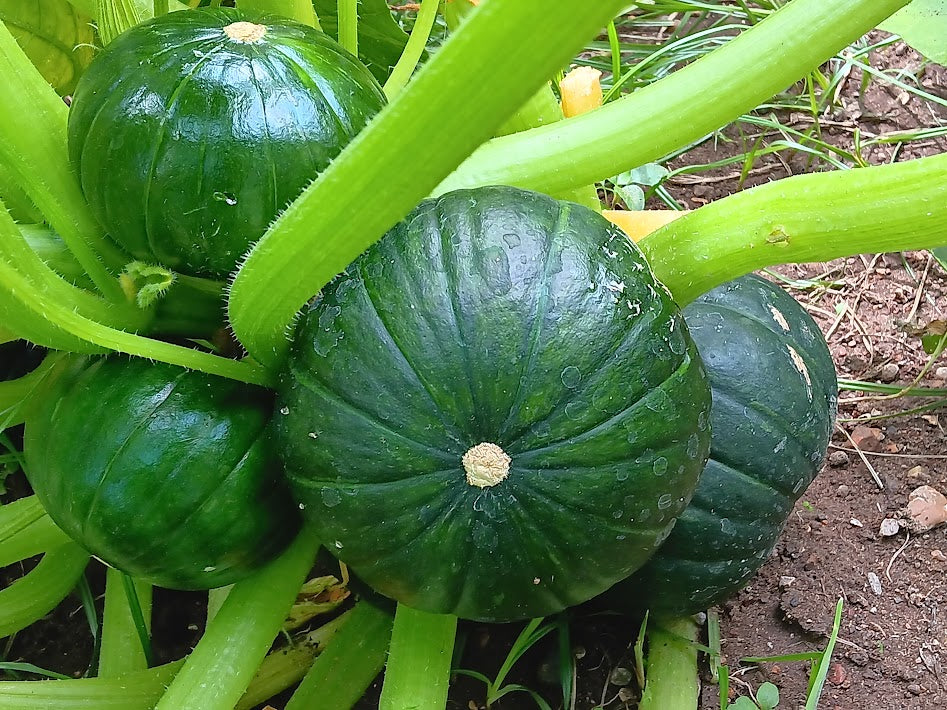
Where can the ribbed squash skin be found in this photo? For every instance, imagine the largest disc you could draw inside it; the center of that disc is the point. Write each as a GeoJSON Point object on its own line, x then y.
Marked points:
{"type": "Point", "coordinates": [54, 35]}
{"type": "Point", "coordinates": [163, 473]}
{"type": "Point", "coordinates": [503, 316]}
{"type": "Point", "coordinates": [774, 403]}
{"type": "Point", "coordinates": [188, 143]}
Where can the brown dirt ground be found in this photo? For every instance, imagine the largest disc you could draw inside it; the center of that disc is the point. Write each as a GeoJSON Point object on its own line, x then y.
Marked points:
{"type": "Point", "coordinates": [891, 648]}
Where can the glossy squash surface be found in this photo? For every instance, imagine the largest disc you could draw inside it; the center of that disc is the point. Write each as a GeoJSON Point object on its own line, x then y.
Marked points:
{"type": "Point", "coordinates": [192, 131]}
{"type": "Point", "coordinates": [496, 411]}
{"type": "Point", "coordinates": [774, 404]}
{"type": "Point", "coordinates": [164, 473]}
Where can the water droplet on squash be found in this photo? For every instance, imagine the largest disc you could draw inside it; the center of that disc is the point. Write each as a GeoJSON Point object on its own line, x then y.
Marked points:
{"type": "Point", "coordinates": [512, 240]}
{"type": "Point", "coordinates": [660, 466]}
{"type": "Point", "coordinates": [571, 377]}
{"type": "Point", "coordinates": [618, 513]}
{"type": "Point", "coordinates": [331, 497]}
{"type": "Point", "coordinates": [693, 445]}
{"type": "Point", "coordinates": [664, 502]}
{"type": "Point", "coordinates": [622, 475]}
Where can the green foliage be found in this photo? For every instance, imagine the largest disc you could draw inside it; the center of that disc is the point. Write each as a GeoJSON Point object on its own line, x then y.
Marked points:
{"type": "Point", "coordinates": [767, 698]}
{"type": "Point", "coordinates": [380, 39]}
{"type": "Point", "coordinates": [923, 25]}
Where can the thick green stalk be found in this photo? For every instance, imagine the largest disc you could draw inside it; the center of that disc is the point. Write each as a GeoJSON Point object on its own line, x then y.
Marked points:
{"type": "Point", "coordinates": [813, 217]}
{"type": "Point", "coordinates": [116, 16]}
{"type": "Point", "coordinates": [122, 650]}
{"type": "Point", "coordinates": [347, 13]}
{"type": "Point", "coordinates": [418, 671]}
{"type": "Point", "coordinates": [224, 661]}
{"type": "Point", "coordinates": [37, 538]}
{"type": "Point", "coordinates": [54, 253]}
{"type": "Point", "coordinates": [466, 91]}
{"type": "Point", "coordinates": [134, 691]}
{"type": "Point", "coordinates": [288, 665]}
{"type": "Point", "coordinates": [679, 109]}
{"type": "Point", "coordinates": [18, 515]}
{"type": "Point", "coordinates": [32, 597]}
{"type": "Point", "coordinates": [14, 394]}
{"type": "Point", "coordinates": [345, 669]}
{"type": "Point", "coordinates": [48, 315]}
{"type": "Point", "coordinates": [299, 10]}
{"type": "Point", "coordinates": [33, 151]}
{"type": "Point", "coordinates": [541, 110]}
{"type": "Point", "coordinates": [413, 49]}
{"type": "Point", "coordinates": [672, 682]}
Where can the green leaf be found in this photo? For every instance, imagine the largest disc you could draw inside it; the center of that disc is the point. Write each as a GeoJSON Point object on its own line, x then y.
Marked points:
{"type": "Point", "coordinates": [631, 195]}
{"type": "Point", "coordinates": [648, 175]}
{"type": "Point", "coordinates": [940, 255]}
{"type": "Point", "coordinates": [923, 25]}
{"type": "Point", "coordinates": [380, 39]}
{"type": "Point", "coordinates": [743, 703]}
{"type": "Point", "coordinates": [767, 696]}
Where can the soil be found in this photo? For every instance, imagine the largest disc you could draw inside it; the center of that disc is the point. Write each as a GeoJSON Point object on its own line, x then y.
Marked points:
{"type": "Point", "coordinates": [891, 652]}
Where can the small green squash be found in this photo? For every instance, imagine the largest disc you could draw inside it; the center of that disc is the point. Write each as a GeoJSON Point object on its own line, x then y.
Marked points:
{"type": "Point", "coordinates": [56, 37]}
{"type": "Point", "coordinates": [163, 473]}
{"type": "Point", "coordinates": [496, 412]}
{"type": "Point", "coordinates": [774, 403]}
{"type": "Point", "coordinates": [190, 132]}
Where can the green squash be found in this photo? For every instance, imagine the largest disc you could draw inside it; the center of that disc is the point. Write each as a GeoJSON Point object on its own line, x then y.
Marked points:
{"type": "Point", "coordinates": [496, 411]}
{"type": "Point", "coordinates": [774, 403]}
{"type": "Point", "coordinates": [192, 131]}
{"type": "Point", "coordinates": [54, 35]}
{"type": "Point", "coordinates": [164, 473]}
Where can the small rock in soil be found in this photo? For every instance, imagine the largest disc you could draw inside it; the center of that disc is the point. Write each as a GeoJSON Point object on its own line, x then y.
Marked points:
{"type": "Point", "coordinates": [620, 676]}
{"type": "Point", "coordinates": [918, 475]}
{"type": "Point", "coordinates": [889, 527]}
{"type": "Point", "coordinates": [914, 689]}
{"type": "Point", "coordinates": [838, 459]}
{"type": "Point", "coordinates": [842, 490]}
{"type": "Point", "coordinates": [837, 674]}
{"type": "Point", "coordinates": [867, 438]}
{"type": "Point", "coordinates": [941, 373]}
{"type": "Point", "coordinates": [875, 583]}
{"type": "Point", "coordinates": [889, 372]}
{"type": "Point", "coordinates": [926, 509]}
{"type": "Point", "coordinates": [938, 555]}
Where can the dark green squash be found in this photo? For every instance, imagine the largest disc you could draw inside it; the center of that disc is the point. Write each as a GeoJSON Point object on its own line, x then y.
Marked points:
{"type": "Point", "coordinates": [56, 37]}
{"type": "Point", "coordinates": [191, 132]}
{"type": "Point", "coordinates": [489, 323]}
{"type": "Point", "coordinates": [164, 473]}
{"type": "Point", "coordinates": [774, 403]}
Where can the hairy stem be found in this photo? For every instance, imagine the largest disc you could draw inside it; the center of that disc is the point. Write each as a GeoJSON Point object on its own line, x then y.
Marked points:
{"type": "Point", "coordinates": [418, 669]}
{"type": "Point", "coordinates": [679, 109]}
{"type": "Point", "coordinates": [222, 665]}
{"type": "Point", "coordinates": [485, 70]}
{"type": "Point", "coordinates": [815, 217]}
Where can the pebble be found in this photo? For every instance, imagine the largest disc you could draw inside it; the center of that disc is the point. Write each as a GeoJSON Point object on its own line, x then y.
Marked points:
{"type": "Point", "coordinates": [918, 474]}
{"type": "Point", "coordinates": [938, 555]}
{"type": "Point", "coordinates": [867, 438]}
{"type": "Point", "coordinates": [889, 527]}
{"type": "Point", "coordinates": [786, 581]}
{"type": "Point", "coordinates": [620, 676]}
{"type": "Point", "coordinates": [875, 583]}
{"type": "Point", "coordinates": [941, 373]}
{"type": "Point", "coordinates": [838, 459]}
{"type": "Point", "coordinates": [842, 490]}
{"type": "Point", "coordinates": [890, 372]}
{"type": "Point", "coordinates": [914, 689]}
